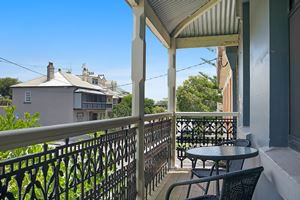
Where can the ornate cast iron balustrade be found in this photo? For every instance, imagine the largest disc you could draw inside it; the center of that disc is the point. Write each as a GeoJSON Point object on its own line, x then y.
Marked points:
{"type": "Point", "coordinates": [102, 167]}
{"type": "Point", "coordinates": [203, 131]}
{"type": "Point", "coordinates": [157, 152]}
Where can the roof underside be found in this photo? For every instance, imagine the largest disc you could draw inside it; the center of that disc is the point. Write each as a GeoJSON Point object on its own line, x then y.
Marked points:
{"type": "Point", "coordinates": [181, 19]}
{"type": "Point", "coordinates": [218, 20]}
{"type": "Point", "coordinates": [171, 13]}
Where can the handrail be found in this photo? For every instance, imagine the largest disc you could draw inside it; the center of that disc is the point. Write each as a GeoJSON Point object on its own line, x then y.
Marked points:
{"type": "Point", "coordinates": [150, 117]}
{"type": "Point", "coordinates": [24, 137]}
{"type": "Point", "coordinates": [207, 114]}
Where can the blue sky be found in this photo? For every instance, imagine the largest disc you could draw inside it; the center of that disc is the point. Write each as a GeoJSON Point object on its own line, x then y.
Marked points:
{"type": "Point", "coordinates": [96, 32]}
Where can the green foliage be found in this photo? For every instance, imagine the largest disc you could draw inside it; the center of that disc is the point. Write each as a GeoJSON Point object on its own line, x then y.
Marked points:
{"type": "Point", "coordinates": [5, 101]}
{"type": "Point", "coordinates": [5, 84]}
{"type": "Point", "coordinates": [10, 122]}
{"type": "Point", "coordinates": [149, 105]}
{"type": "Point", "coordinates": [158, 109]}
{"type": "Point", "coordinates": [162, 103]}
{"type": "Point", "coordinates": [123, 109]}
{"type": "Point", "coordinates": [198, 94]}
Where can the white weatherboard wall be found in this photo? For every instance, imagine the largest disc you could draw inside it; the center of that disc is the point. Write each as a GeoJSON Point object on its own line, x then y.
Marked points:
{"type": "Point", "coordinates": [55, 105]}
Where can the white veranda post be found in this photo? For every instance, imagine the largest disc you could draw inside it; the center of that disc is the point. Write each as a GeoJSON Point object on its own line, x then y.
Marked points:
{"type": "Point", "coordinates": [138, 89]}
{"type": "Point", "coordinates": [172, 97]}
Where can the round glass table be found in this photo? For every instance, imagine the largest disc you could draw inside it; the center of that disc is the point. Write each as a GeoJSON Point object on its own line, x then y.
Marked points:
{"type": "Point", "coordinates": [218, 153]}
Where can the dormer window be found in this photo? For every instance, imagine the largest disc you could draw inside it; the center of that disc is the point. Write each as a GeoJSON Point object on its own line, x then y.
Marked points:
{"type": "Point", "coordinates": [27, 96]}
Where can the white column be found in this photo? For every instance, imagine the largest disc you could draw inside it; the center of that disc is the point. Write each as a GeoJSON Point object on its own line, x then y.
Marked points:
{"type": "Point", "coordinates": [172, 98]}
{"type": "Point", "coordinates": [138, 90]}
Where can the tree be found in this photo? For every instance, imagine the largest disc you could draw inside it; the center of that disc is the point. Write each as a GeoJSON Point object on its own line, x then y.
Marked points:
{"type": "Point", "coordinates": [5, 84]}
{"type": "Point", "coordinates": [198, 94]}
{"type": "Point", "coordinates": [162, 103]}
{"type": "Point", "coordinates": [158, 109]}
{"type": "Point", "coordinates": [123, 109]}
{"type": "Point", "coordinates": [10, 122]}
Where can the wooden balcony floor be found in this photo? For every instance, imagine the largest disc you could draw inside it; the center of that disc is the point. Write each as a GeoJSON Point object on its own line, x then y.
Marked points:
{"type": "Point", "coordinates": [179, 193]}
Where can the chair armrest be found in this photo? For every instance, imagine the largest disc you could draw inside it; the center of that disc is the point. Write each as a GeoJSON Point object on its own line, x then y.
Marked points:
{"type": "Point", "coordinates": [194, 181]}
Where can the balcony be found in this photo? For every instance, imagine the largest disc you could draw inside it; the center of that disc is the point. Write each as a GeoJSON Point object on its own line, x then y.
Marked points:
{"type": "Point", "coordinates": [94, 105]}
{"type": "Point", "coordinates": [99, 159]}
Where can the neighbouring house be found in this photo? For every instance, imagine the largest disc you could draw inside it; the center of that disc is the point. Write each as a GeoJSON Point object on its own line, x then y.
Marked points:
{"type": "Point", "coordinates": [110, 86]}
{"type": "Point", "coordinates": [62, 97]}
{"type": "Point", "coordinates": [225, 80]}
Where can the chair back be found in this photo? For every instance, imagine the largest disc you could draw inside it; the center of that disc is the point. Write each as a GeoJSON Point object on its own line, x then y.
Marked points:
{"type": "Point", "coordinates": [236, 165]}
{"type": "Point", "coordinates": [241, 184]}
{"type": "Point", "coordinates": [242, 142]}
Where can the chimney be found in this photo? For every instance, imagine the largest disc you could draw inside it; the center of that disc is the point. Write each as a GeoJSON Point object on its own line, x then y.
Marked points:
{"type": "Point", "coordinates": [85, 74]}
{"type": "Point", "coordinates": [50, 71]}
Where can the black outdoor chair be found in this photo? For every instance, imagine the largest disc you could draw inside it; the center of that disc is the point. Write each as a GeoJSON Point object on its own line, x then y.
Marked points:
{"type": "Point", "coordinates": [234, 165]}
{"type": "Point", "coordinates": [237, 185]}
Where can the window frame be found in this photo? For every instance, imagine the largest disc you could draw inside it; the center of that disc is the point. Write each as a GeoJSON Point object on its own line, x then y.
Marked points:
{"type": "Point", "coordinates": [27, 96]}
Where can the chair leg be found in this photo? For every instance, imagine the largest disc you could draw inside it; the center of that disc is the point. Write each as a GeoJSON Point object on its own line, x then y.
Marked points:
{"type": "Point", "coordinates": [207, 187]}
{"type": "Point", "coordinates": [189, 188]}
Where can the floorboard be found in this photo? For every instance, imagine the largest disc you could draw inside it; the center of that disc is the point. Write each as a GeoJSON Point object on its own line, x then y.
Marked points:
{"type": "Point", "coordinates": [179, 193]}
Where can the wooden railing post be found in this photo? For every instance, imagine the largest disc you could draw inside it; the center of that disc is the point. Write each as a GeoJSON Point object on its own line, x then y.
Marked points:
{"type": "Point", "coordinates": [138, 90]}
{"type": "Point", "coordinates": [172, 98]}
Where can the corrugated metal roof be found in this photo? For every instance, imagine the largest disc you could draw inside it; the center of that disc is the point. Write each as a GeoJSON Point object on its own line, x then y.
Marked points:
{"type": "Point", "coordinates": [219, 20]}
{"type": "Point", "coordinates": [172, 12]}
{"type": "Point", "coordinates": [60, 79]}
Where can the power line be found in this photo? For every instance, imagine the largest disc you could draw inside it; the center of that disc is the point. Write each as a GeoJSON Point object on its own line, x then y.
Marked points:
{"type": "Point", "coordinates": [16, 64]}
{"type": "Point", "coordinates": [122, 85]}
{"type": "Point", "coordinates": [179, 70]}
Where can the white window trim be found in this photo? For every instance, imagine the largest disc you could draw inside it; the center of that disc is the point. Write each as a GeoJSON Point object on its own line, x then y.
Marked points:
{"type": "Point", "coordinates": [27, 95]}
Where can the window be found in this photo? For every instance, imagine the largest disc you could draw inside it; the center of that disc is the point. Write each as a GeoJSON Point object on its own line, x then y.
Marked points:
{"type": "Point", "coordinates": [79, 116]}
{"type": "Point", "coordinates": [27, 96]}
